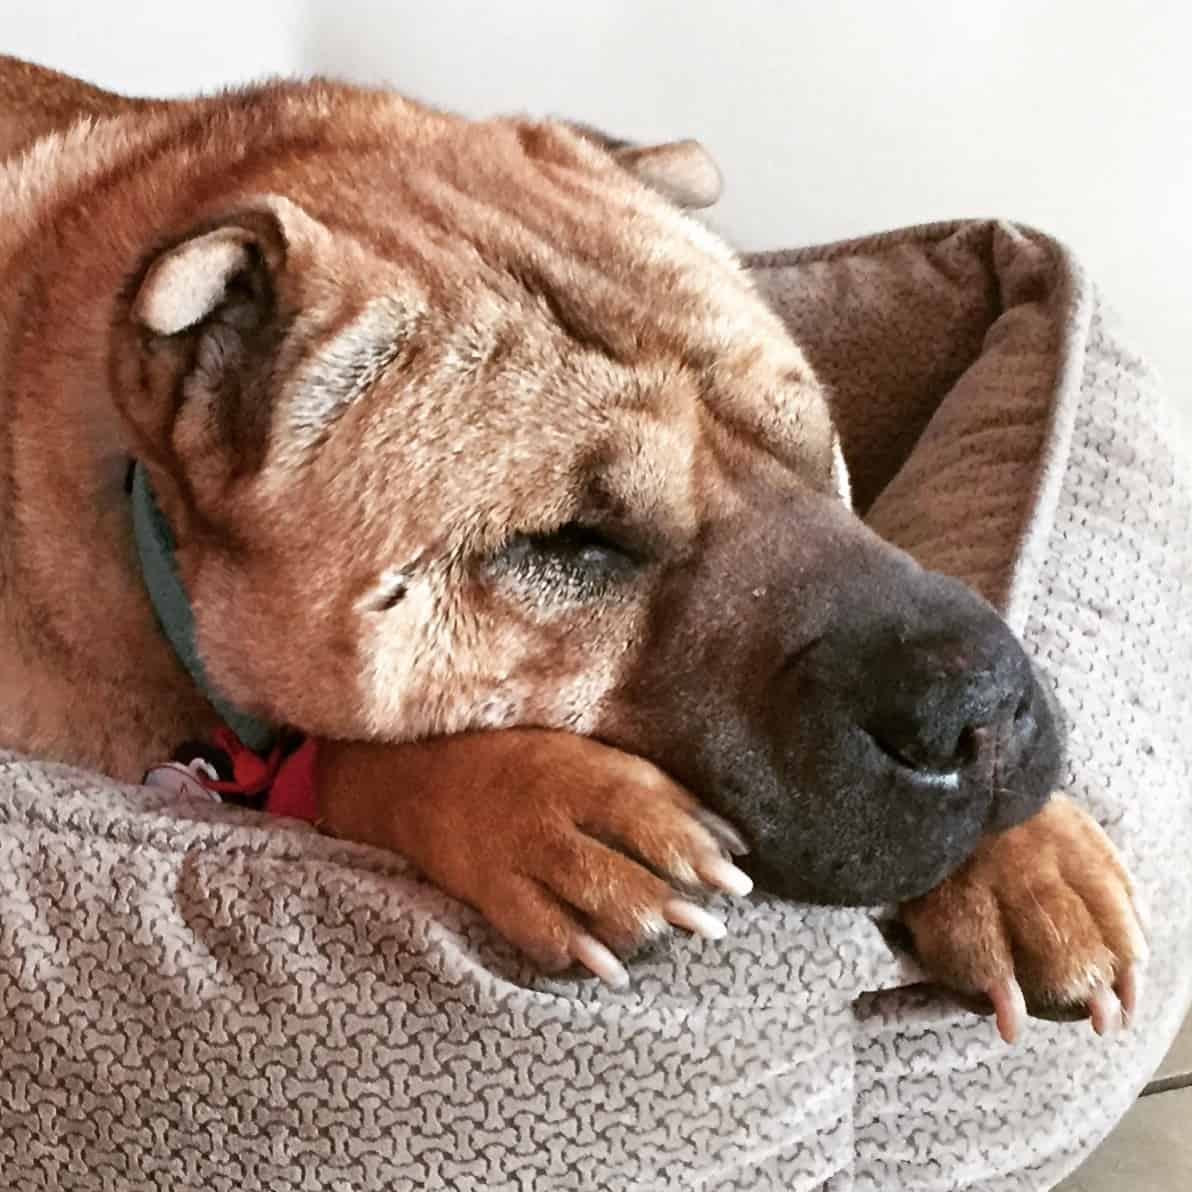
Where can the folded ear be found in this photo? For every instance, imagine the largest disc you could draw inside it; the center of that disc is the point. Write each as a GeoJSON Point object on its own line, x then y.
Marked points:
{"type": "Point", "coordinates": [193, 357]}
{"type": "Point", "coordinates": [682, 171]}
{"type": "Point", "coordinates": [227, 270]}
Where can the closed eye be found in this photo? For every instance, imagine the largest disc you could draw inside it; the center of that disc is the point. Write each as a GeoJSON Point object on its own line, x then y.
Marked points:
{"type": "Point", "coordinates": [579, 543]}
{"type": "Point", "coordinates": [576, 561]}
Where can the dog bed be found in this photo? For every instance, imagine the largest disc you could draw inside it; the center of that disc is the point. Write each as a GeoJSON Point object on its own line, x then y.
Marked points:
{"type": "Point", "coordinates": [193, 997]}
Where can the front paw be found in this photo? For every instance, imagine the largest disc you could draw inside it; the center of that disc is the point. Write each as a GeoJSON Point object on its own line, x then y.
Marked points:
{"type": "Point", "coordinates": [575, 852]}
{"type": "Point", "coordinates": [588, 867]}
{"type": "Point", "coordinates": [1040, 917]}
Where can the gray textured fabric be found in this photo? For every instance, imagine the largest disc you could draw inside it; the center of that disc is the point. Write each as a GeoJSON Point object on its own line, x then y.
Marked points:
{"type": "Point", "coordinates": [193, 997]}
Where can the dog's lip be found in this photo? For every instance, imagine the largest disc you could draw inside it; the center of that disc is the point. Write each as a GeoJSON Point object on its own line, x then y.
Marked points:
{"type": "Point", "coordinates": [750, 837]}
{"type": "Point", "coordinates": [784, 884]}
{"type": "Point", "coordinates": [948, 794]}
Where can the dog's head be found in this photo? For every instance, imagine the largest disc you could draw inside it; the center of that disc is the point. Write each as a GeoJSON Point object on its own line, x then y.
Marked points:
{"type": "Point", "coordinates": [462, 425]}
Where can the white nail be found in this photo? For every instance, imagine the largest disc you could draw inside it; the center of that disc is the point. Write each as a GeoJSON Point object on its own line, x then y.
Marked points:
{"type": "Point", "coordinates": [1138, 943]}
{"type": "Point", "coordinates": [724, 875]}
{"type": "Point", "coordinates": [694, 919]}
{"type": "Point", "coordinates": [599, 961]}
{"type": "Point", "coordinates": [1009, 1007]}
{"type": "Point", "coordinates": [1105, 1011]}
{"type": "Point", "coordinates": [1129, 991]}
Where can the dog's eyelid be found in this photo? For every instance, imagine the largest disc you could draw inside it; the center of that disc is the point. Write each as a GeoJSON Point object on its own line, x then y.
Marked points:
{"type": "Point", "coordinates": [645, 535]}
{"type": "Point", "coordinates": [643, 542]}
{"type": "Point", "coordinates": [583, 534]}
{"type": "Point", "coordinates": [572, 561]}
{"type": "Point", "coordinates": [637, 544]}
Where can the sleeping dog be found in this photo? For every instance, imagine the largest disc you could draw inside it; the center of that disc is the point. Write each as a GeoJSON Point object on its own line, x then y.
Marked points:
{"type": "Point", "coordinates": [460, 426]}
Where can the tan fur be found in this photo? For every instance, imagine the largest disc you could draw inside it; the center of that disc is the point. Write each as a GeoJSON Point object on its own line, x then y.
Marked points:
{"type": "Point", "coordinates": [35, 101]}
{"type": "Point", "coordinates": [369, 264]}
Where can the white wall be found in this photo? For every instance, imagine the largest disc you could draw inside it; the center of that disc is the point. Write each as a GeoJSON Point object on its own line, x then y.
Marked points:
{"type": "Point", "coordinates": [157, 47]}
{"type": "Point", "coordinates": [829, 119]}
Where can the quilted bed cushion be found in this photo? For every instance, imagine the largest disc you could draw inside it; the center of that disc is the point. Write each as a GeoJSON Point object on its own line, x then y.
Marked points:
{"type": "Point", "coordinates": [193, 997]}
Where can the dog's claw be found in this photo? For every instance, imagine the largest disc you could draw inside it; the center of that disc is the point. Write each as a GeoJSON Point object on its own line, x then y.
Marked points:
{"type": "Point", "coordinates": [1105, 1011]}
{"type": "Point", "coordinates": [724, 875]}
{"type": "Point", "coordinates": [599, 961]}
{"type": "Point", "coordinates": [1009, 1008]}
{"type": "Point", "coordinates": [688, 916]}
{"type": "Point", "coordinates": [1138, 935]}
{"type": "Point", "coordinates": [1129, 990]}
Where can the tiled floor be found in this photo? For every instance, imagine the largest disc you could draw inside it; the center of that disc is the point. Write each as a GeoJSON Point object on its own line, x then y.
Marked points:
{"type": "Point", "coordinates": [1151, 1150]}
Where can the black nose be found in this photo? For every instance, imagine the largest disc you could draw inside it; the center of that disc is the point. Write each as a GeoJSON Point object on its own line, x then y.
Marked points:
{"type": "Point", "coordinates": [949, 704]}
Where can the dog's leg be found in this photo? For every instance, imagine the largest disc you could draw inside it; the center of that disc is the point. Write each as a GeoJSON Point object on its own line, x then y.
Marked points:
{"type": "Point", "coordinates": [575, 852]}
{"type": "Point", "coordinates": [1041, 916]}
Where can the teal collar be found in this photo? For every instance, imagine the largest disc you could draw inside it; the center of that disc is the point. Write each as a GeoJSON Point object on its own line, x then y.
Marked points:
{"type": "Point", "coordinates": [155, 549]}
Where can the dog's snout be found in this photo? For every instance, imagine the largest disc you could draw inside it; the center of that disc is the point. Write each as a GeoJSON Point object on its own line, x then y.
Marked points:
{"type": "Point", "coordinates": [871, 721]}
{"type": "Point", "coordinates": [944, 707]}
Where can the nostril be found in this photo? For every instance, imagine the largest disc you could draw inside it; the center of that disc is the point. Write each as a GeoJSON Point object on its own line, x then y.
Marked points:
{"type": "Point", "coordinates": [1023, 709]}
{"type": "Point", "coordinates": [969, 744]}
{"type": "Point", "coordinates": [913, 755]}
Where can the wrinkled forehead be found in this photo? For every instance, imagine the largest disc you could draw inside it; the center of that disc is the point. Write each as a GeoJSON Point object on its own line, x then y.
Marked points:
{"type": "Point", "coordinates": [523, 426]}
{"type": "Point", "coordinates": [538, 326]}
